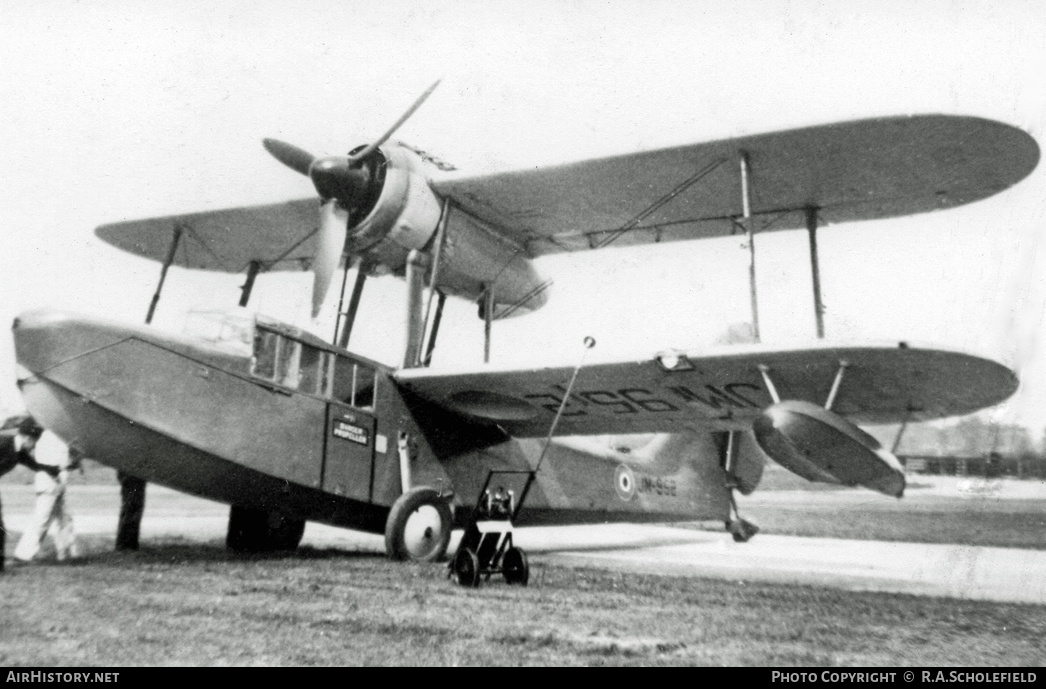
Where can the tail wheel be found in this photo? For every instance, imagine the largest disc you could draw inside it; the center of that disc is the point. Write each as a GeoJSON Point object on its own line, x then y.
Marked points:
{"type": "Point", "coordinates": [418, 527]}
{"type": "Point", "coordinates": [466, 568]}
{"type": "Point", "coordinates": [515, 567]}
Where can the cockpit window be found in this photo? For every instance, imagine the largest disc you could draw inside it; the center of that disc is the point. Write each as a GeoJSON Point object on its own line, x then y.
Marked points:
{"type": "Point", "coordinates": [266, 346]}
{"type": "Point", "coordinates": [288, 371]}
{"type": "Point", "coordinates": [228, 329]}
{"type": "Point", "coordinates": [363, 387]}
{"type": "Point", "coordinates": [279, 359]}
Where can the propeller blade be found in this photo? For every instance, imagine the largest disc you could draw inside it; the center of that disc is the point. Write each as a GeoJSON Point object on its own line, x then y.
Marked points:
{"type": "Point", "coordinates": [330, 243]}
{"type": "Point", "coordinates": [291, 156]}
{"type": "Point", "coordinates": [403, 118]}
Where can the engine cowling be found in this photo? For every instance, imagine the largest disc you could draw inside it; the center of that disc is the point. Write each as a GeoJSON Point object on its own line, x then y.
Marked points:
{"type": "Point", "coordinates": [820, 445]}
{"type": "Point", "coordinates": [406, 216]}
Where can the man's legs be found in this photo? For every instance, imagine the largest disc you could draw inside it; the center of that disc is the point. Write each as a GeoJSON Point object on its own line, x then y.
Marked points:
{"type": "Point", "coordinates": [132, 505]}
{"type": "Point", "coordinates": [62, 525]}
{"type": "Point", "coordinates": [36, 529]}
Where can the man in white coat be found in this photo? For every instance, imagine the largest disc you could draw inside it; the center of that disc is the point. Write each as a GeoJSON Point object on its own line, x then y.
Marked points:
{"type": "Point", "coordinates": [54, 461]}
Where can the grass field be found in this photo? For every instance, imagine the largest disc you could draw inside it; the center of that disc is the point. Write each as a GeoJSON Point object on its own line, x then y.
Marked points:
{"type": "Point", "coordinates": [186, 602]}
{"type": "Point", "coordinates": [787, 505]}
{"type": "Point", "coordinates": [1013, 524]}
{"type": "Point", "coordinates": [176, 603]}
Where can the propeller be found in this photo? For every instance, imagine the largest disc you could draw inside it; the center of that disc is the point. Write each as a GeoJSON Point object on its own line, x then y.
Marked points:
{"type": "Point", "coordinates": [330, 242]}
{"type": "Point", "coordinates": [345, 184]}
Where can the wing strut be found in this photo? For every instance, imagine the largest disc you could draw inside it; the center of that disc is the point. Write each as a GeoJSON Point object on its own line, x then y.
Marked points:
{"type": "Point", "coordinates": [488, 316]}
{"type": "Point", "coordinates": [843, 365]}
{"type": "Point", "coordinates": [811, 228]}
{"type": "Point", "coordinates": [163, 272]}
{"type": "Point", "coordinates": [417, 264]}
{"type": "Point", "coordinates": [440, 300]}
{"type": "Point", "coordinates": [746, 206]}
{"type": "Point", "coordinates": [252, 272]}
{"type": "Point", "coordinates": [440, 240]}
{"type": "Point", "coordinates": [354, 305]}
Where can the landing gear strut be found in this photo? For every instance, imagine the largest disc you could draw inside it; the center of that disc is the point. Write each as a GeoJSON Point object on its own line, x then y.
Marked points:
{"type": "Point", "coordinates": [741, 529]}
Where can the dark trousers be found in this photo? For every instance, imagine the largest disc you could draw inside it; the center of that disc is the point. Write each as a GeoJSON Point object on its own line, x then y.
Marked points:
{"type": "Point", "coordinates": [3, 538]}
{"type": "Point", "coordinates": [132, 505]}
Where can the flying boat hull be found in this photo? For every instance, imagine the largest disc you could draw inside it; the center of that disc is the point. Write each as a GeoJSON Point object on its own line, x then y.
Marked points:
{"type": "Point", "coordinates": [197, 418]}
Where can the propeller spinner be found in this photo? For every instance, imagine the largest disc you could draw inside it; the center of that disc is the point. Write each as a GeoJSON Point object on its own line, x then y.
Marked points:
{"type": "Point", "coordinates": [346, 187]}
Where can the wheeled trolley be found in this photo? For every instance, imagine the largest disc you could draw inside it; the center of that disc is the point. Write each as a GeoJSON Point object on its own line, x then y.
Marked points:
{"type": "Point", "coordinates": [487, 547]}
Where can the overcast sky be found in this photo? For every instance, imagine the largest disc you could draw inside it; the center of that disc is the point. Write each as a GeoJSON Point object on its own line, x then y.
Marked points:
{"type": "Point", "coordinates": [124, 110]}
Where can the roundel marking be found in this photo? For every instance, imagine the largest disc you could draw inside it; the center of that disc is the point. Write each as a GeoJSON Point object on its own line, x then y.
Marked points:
{"type": "Point", "coordinates": [624, 482]}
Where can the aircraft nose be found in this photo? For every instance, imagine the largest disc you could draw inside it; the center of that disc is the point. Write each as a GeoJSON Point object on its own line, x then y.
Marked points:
{"type": "Point", "coordinates": [45, 338]}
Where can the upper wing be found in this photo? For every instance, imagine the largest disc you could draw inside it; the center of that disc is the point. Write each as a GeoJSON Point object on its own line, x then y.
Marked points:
{"type": "Point", "coordinates": [278, 235]}
{"type": "Point", "coordinates": [722, 390]}
{"type": "Point", "coordinates": [849, 171]}
{"type": "Point", "coordinates": [857, 170]}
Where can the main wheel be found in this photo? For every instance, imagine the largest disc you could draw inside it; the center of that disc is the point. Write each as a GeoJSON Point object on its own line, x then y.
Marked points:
{"type": "Point", "coordinates": [257, 531]}
{"type": "Point", "coordinates": [515, 567]}
{"type": "Point", "coordinates": [418, 527]}
{"type": "Point", "coordinates": [466, 567]}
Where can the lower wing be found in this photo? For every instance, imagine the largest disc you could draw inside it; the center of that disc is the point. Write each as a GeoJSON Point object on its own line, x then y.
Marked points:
{"type": "Point", "coordinates": [721, 389]}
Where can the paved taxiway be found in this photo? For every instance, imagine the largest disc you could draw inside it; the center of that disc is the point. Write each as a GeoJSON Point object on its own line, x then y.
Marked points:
{"type": "Point", "coordinates": [998, 574]}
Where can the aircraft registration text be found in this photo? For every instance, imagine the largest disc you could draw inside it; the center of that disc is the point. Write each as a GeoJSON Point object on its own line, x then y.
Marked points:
{"type": "Point", "coordinates": [637, 400]}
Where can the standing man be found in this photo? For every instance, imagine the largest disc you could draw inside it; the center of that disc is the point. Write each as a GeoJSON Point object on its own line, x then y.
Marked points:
{"type": "Point", "coordinates": [132, 505]}
{"type": "Point", "coordinates": [17, 439]}
{"type": "Point", "coordinates": [53, 460]}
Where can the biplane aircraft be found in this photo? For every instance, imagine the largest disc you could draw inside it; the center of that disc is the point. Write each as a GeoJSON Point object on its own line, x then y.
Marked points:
{"type": "Point", "coordinates": [287, 427]}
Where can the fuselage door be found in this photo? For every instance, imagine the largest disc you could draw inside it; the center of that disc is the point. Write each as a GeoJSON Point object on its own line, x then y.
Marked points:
{"type": "Point", "coordinates": [349, 454]}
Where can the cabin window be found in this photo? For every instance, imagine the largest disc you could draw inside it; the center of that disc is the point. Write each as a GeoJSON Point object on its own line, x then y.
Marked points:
{"type": "Point", "coordinates": [353, 383]}
{"type": "Point", "coordinates": [312, 370]}
{"type": "Point", "coordinates": [315, 370]}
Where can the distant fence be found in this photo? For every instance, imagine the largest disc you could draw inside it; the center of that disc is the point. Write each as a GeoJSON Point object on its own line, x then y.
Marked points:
{"type": "Point", "coordinates": [975, 466]}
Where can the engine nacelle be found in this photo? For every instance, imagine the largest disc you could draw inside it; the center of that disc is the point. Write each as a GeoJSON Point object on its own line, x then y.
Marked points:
{"type": "Point", "coordinates": [406, 216]}
{"type": "Point", "coordinates": [820, 445]}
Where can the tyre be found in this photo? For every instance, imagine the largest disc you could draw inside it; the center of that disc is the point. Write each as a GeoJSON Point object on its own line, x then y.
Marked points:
{"type": "Point", "coordinates": [466, 568]}
{"type": "Point", "coordinates": [515, 567]}
{"type": "Point", "coordinates": [418, 527]}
